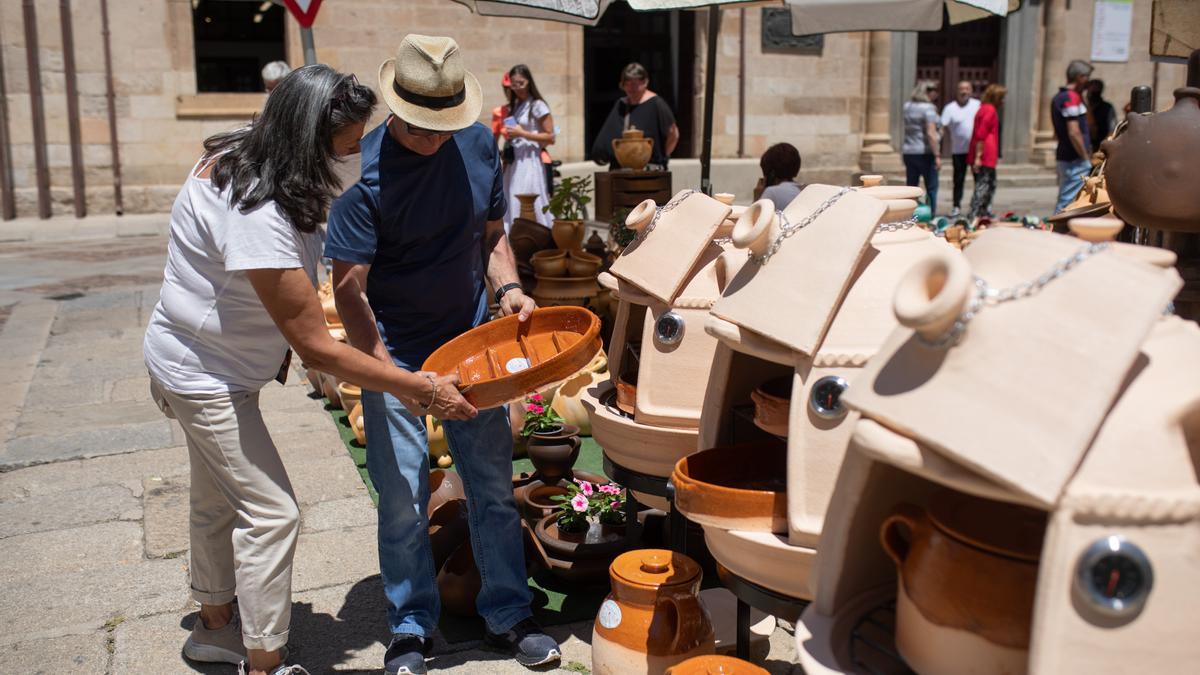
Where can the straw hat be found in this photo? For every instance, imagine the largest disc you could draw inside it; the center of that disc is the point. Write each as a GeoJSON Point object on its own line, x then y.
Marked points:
{"type": "Point", "coordinates": [428, 86]}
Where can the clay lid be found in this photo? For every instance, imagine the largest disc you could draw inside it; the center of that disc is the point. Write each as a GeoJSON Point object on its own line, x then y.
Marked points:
{"type": "Point", "coordinates": [1004, 529]}
{"type": "Point", "coordinates": [715, 665]}
{"type": "Point", "coordinates": [653, 568]}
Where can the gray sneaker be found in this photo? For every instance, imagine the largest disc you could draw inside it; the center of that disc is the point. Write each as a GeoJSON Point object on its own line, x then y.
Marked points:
{"type": "Point", "coordinates": [280, 669]}
{"type": "Point", "coordinates": [220, 645]}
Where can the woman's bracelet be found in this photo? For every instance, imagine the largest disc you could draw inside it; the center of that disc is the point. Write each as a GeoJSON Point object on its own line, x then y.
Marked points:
{"type": "Point", "coordinates": [432, 392]}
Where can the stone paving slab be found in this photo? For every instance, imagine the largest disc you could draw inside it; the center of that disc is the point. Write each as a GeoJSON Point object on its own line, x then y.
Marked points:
{"type": "Point", "coordinates": [166, 504]}
{"type": "Point", "coordinates": [59, 551]}
{"type": "Point", "coordinates": [335, 557]}
{"type": "Point", "coordinates": [62, 510]}
{"type": "Point", "coordinates": [154, 644]}
{"type": "Point", "coordinates": [48, 479]}
{"type": "Point", "coordinates": [336, 514]}
{"type": "Point", "coordinates": [87, 653]}
{"type": "Point", "coordinates": [31, 450]}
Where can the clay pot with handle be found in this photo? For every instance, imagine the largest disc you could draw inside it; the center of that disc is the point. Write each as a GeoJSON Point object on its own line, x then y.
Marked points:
{"type": "Point", "coordinates": [568, 234]}
{"type": "Point", "coordinates": [633, 150]}
{"type": "Point", "coordinates": [653, 619]}
{"type": "Point", "coordinates": [553, 453]}
{"type": "Point", "coordinates": [968, 570]}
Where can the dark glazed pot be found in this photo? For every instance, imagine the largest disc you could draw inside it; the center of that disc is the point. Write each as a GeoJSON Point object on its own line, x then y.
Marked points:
{"type": "Point", "coordinates": [554, 453]}
{"type": "Point", "coordinates": [597, 542]}
{"type": "Point", "coordinates": [1151, 168]}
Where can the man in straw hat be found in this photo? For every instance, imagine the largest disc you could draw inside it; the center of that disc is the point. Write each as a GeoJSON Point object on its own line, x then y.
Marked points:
{"type": "Point", "coordinates": [413, 243]}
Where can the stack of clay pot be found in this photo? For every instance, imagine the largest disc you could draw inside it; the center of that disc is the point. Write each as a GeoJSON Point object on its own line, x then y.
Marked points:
{"type": "Point", "coordinates": [526, 237]}
{"type": "Point", "coordinates": [1048, 524]}
{"type": "Point", "coordinates": [647, 415]}
{"type": "Point", "coordinates": [633, 149]}
{"type": "Point", "coordinates": [565, 275]}
{"type": "Point", "coordinates": [794, 333]}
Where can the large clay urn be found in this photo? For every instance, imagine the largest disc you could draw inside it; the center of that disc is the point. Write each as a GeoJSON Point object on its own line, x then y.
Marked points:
{"type": "Point", "coordinates": [568, 234]}
{"type": "Point", "coordinates": [1151, 168]}
{"type": "Point", "coordinates": [633, 150]}
{"type": "Point", "coordinates": [968, 570]}
{"type": "Point", "coordinates": [653, 618]}
{"type": "Point", "coordinates": [527, 206]}
{"type": "Point", "coordinates": [553, 453]}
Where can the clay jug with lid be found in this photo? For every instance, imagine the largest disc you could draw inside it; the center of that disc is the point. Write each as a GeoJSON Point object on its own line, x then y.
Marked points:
{"type": "Point", "coordinates": [968, 571]}
{"type": "Point", "coordinates": [1151, 168]}
{"type": "Point", "coordinates": [653, 618]}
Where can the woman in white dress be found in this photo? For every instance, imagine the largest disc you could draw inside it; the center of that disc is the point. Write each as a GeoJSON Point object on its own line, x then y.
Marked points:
{"type": "Point", "coordinates": [529, 127]}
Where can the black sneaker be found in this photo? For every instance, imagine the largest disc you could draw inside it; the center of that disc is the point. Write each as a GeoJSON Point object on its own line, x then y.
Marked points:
{"type": "Point", "coordinates": [406, 655]}
{"type": "Point", "coordinates": [527, 644]}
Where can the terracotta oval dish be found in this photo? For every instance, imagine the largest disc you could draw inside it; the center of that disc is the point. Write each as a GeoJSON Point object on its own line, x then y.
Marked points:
{"type": "Point", "coordinates": [736, 487]}
{"type": "Point", "coordinates": [505, 359]}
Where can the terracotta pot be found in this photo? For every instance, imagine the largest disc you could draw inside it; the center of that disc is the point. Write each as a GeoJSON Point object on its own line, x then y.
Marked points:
{"type": "Point", "coordinates": [633, 153]}
{"type": "Point", "coordinates": [653, 619]}
{"type": "Point", "coordinates": [349, 394]}
{"type": "Point", "coordinates": [632, 132]}
{"type": "Point", "coordinates": [314, 379]}
{"type": "Point", "coordinates": [627, 392]}
{"type": "Point", "coordinates": [448, 530]}
{"type": "Point", "coordinates": [329, 389]}
{"type": "Point", "coordinates": [527, 210]}
{"type": "Point", "coordinates": [565, 288]}
{"type": "Point", "coordinates": [444, 486]}
{"type": "Point", "coordinates": [458, 579]}
{"type": "Point", "coordinates": [736, 487]}
{"type": "Point", "coordinates": [1150, 168]}
{"type": "Point", "coordinates": [536, 503]}
{"type": "Point", "coordinates": [526, 238]}
{"type": "Point", "coordinates": [581, 264]}
{"type": "Point", "coordinates": [549, 263]}
{"type": "Point", "coordinates": [330, 308]}
{"type": "Point", "coordinates": [504, 359]}
{"type": "Point", "coordinates": [598, 541]}
{"type": "Point", "coordinates": [968, 572]}
{"type": "Point", "coordinates": [772, 401]}
{"type": "Point", "coordinates": [715, 665]}
{"type": "Point", "coordinates": [596, 246]}
{"type": "Point", "coordinates": [355, 418]}
{"type": "Point", "coordinates": [568, 234]}
{"type": "Point", "coordinates": [554, 453]}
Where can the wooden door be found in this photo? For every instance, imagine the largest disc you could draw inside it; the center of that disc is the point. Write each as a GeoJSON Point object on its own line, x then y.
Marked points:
{"type": "Point", "coordinates": [969, 51]}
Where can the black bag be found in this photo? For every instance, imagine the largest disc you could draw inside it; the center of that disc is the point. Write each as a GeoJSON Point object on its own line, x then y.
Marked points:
{"type": "Point", "coordinates": [507, 154]}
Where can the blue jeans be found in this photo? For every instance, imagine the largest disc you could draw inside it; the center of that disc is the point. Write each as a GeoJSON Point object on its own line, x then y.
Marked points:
{"type": "Point", "coordinates": [398, 463]}
{"type": "Point", "coordinates": [1070, 180]}
{"type": "Point", "coordinates": [917, 167]}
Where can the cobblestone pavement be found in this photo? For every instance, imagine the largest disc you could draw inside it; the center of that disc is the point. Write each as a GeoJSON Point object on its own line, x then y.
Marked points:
{"type": "Point", "coordinates": [94, 482]}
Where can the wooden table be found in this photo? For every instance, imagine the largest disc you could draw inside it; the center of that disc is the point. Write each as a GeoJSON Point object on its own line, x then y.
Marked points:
{"type": "Point", "coordinates": [618, 190]}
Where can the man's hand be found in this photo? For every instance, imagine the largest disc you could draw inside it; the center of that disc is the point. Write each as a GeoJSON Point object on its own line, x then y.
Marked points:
{"type": "Point", "coordinates": [516, 302]}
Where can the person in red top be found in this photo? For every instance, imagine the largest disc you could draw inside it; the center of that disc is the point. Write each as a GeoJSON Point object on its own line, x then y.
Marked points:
{"type": "Point", "coordinates": [985, 140]}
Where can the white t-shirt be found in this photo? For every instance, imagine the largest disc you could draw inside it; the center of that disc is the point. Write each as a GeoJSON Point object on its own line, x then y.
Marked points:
{"type": "Point", "coordinates": [209, 333]}
{"type": "Point", "coordinates": [960, 120]}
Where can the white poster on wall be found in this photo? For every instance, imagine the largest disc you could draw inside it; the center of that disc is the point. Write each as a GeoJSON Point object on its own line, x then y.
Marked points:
{"type": "Point", "coordinates": [1110, 30]}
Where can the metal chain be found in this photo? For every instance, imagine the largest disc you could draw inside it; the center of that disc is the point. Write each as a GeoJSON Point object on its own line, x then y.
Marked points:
{"type": "Point", "coordinates": [897, 226]}
{"type": "Point", "coordinates": [658, 212]}
{"type": "Point", "coordinates": [787, 229]}
{"type": "Point", "coordinates": [984, 295]}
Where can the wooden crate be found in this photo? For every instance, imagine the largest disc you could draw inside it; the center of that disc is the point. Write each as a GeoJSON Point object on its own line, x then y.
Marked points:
{"type": "Point", "coordinates": [617, 190]}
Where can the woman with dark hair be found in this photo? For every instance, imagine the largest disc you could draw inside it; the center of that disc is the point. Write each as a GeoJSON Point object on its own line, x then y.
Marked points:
{"type": "Point", "coordinates": [529, 127]}
{"type": "Point", "coordinates": [642, 109]}
{"type": "Point", "coordinates": [238, 288]}
{"type": "Point", "coordinates": [985, 140]}
{"type": "Point", "coordinates": [780, 165]}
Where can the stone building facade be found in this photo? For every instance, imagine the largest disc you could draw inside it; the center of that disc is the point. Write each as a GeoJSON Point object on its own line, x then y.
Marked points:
{"type": "Point", "coordinates": [838, 102]}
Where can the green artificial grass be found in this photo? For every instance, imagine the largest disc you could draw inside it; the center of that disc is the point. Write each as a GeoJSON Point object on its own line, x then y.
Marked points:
{"type": "Point", "coordinates": [555, 602]}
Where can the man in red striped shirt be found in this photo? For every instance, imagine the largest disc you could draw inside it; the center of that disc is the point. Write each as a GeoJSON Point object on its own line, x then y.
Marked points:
{"type": "Point", "coordinates": [1069, 116]}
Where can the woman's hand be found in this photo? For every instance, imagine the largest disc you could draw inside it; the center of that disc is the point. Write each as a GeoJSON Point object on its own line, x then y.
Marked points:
{"type": "Point", "coordinates": [517, 132]}
{"type": "Point", "coordinates": [937, 162]}
{"type": "Point", "coordinates": [516, 302]}
{"type": "Point", "coordinates": [448, 404]}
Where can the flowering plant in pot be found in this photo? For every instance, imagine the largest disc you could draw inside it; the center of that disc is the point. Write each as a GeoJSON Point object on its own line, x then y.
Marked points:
{"type": "Point", "coordinates": [539, 417]}
{"type": "Point", "coordinates": [586, 503]}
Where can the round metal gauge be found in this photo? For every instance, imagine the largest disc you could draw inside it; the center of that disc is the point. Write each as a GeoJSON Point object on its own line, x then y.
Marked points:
{"type": "Point", "coordinates": [1114, 576]}
{"type": "Point", "coordinates": [668, 330]}
{"type": "Point", "coordinates": [826, 397]}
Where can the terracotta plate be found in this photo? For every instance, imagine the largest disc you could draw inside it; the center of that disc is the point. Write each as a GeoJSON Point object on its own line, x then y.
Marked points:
{"type": "Point", "coordinates": [505, 359]}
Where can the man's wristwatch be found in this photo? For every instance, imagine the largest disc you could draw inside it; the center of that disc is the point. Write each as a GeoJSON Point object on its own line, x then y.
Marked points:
{"type": "Point", "coordinates": [505, 289]}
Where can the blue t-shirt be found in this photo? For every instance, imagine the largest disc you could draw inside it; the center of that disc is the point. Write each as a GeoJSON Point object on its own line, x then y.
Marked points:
{"type": "Point", "coordinates": [1068, 105]}
{"type": "Point", "coordinates": [419, 222]}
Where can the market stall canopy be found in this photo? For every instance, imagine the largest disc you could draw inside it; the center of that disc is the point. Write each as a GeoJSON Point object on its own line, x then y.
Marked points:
{"type": "Point", "coordinates": [810, 17]}
{"type": "Point", "coordinates": [585, 12]}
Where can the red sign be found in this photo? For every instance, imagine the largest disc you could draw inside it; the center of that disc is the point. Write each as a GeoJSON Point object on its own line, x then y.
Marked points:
{"type": "Point", "coordinates": [305, 11]}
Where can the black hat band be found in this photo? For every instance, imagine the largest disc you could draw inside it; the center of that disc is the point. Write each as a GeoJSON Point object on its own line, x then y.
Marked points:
{"type": "Point", "coordinates": [432, 102]}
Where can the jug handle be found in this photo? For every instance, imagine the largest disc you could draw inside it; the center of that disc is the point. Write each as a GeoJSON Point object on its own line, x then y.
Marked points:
{"type": "Point", "coordinates": [909, 515]}
{"type": "Point", "coordinates": [678, 623]}
{"type": "Point", "coordinates": [575, 442]}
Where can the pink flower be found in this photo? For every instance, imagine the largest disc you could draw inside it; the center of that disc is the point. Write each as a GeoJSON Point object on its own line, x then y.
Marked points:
{"type": "Point", "coordinates": [610, 489]}
{"type": "Point", "coordinates": [586, 488]}
{"type": "Point", "coordinates": [536, 398]}
{"type": "Point", "coordinates": [579, 503]}
{"type": "Point", "coordinates": [616, 504]}
{"type": "Point", "coordinates": [535, 409]}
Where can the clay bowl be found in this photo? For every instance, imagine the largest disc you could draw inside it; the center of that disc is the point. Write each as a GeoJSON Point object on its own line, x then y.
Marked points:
{"type": "Point", "coordinates": [565, 288]}
{"type": "Point", "coordinates": [349, 394]}
{"type": "Point", "coordinates": [354, 417]}
{"type": "Point", "coordinates": [536, 503]}
{"type": "Point", "coordinates": [627, 392]}
{"type": "Point", "coordinates": [736, 487]}
{"type": "Point", "coordinates": [444, 486]}
{"type": "Point", "coordinates": [599, 542]}
{"type": "Point", "coordinates": [772, 401]}
{"type": "Point", "coordinates": [330, 390]}
{"type": "Point", "coordinates": [330, 308]}
{"type": "Point", "coordinates": [505, 359]}
{"type": "Point", "coordinates": [549, 263]}
{"type": "Point", "coordinates": [582, 264]}
{"type": "Point", "coordinates": [528, 237]}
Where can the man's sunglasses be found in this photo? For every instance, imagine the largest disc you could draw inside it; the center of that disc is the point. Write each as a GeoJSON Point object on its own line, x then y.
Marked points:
{"type": "Point", "coordinates": [427, 133]}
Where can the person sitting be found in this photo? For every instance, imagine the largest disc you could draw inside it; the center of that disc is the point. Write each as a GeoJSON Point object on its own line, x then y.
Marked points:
{"type": "Point", "coordinates": [780, 165]}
